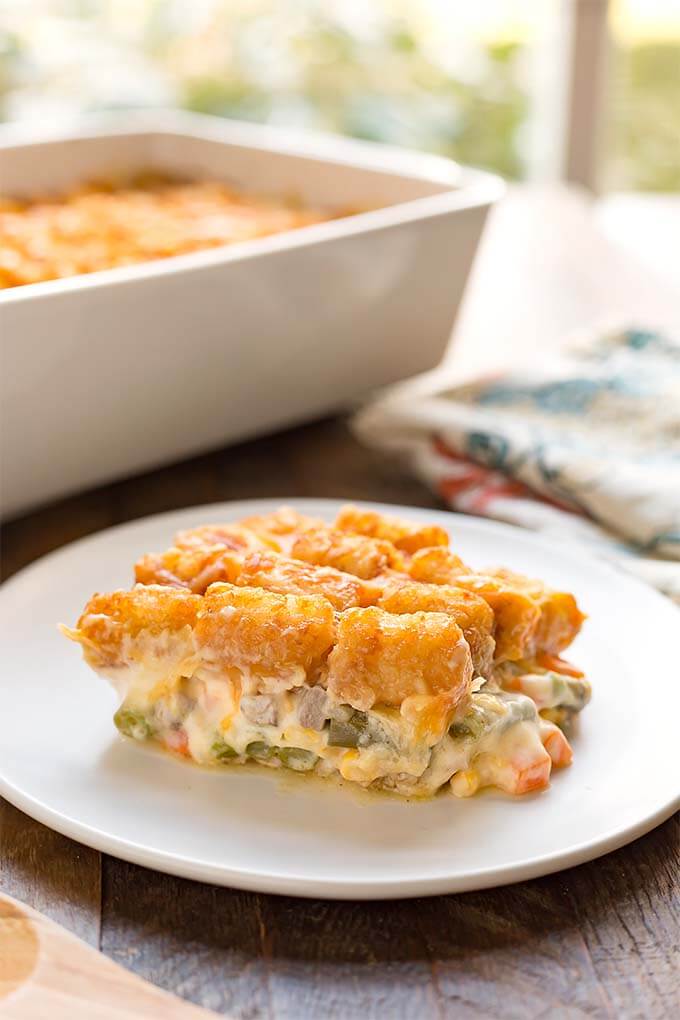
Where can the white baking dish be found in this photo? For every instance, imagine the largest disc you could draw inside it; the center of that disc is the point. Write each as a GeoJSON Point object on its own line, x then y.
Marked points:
{"type": "Point", "coordinates": [110, 373]}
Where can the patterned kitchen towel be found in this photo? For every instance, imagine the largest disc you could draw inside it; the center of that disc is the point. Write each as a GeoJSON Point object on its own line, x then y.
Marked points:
{"type": "Point", "coordinates": [585, 446]}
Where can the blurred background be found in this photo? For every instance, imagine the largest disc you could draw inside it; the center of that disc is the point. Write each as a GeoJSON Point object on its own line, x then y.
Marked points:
{"type": "Point", "coordinates": [582, 89]}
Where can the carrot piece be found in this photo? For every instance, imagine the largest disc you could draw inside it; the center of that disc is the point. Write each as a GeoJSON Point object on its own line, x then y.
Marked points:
{"type": "Point", "coordinates": [556, 744]}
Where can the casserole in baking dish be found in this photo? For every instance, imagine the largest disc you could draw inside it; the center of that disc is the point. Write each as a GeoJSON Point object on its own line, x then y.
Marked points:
{"type": "Point", "coordinates": [107, 224]}
{"type": "Point", "coordinates": [113, 372]}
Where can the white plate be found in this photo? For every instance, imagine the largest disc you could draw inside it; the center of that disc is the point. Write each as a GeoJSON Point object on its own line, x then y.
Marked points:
{"type": "Point", "coordinates": [62, 761]}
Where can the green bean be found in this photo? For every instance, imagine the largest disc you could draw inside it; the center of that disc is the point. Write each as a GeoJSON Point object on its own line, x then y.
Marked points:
{"type": "Point", "coordinates": [471, 725]}
{"type": "Point", "coordinates": [297, 758]}
{"type": "Point", "coordinates": [562, 717]}
{"type": "Point", "coordinates": [259, 749]}
{"type": "Point", "coordinates": [522, 709]}
{"type": "Point", "coordinates": [133, 724]}
{"type": "Point", "coordinates": [569, 692]}
{"type": "Point", "coordinates": [223, 752]}
{"type": "Point", "coordinates": [350, 732]}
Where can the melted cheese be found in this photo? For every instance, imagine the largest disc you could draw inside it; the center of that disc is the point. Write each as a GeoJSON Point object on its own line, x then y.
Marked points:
{"type": "Point", "coordinates": [198, 710]}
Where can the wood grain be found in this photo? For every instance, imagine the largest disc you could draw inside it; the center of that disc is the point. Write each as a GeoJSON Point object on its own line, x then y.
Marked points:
{"type": "Point", "coordinates": [201, 941]}
{"type": "Point", "coordinates": [46, 971]}
{"type": "Point", "coordinates": [600, 940]}
{"type": "Point", "coordinates": [50, 873]}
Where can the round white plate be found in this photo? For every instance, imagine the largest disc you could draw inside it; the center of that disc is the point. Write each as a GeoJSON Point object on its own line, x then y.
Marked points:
{"type": "Point", "coordinates": [62, 761]}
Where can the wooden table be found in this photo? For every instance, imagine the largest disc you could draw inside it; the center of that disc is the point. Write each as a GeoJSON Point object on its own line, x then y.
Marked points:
{"type": "Point", "coordinates": [600, 940]}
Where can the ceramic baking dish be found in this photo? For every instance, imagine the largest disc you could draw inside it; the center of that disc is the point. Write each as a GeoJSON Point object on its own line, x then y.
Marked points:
{"type": "Point", "coordinates": [107, 374]}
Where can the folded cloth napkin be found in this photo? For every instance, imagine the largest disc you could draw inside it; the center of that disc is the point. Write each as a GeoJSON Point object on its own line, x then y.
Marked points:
{"type": "Point", "coordinates": [584, 446]}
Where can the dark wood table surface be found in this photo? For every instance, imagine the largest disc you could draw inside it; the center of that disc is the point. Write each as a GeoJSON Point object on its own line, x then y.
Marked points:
{"type": "Point", "coordinates": [600, 940]}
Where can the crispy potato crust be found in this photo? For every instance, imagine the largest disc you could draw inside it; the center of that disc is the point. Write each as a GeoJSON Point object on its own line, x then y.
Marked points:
{"type": "Point", "coordinates": [234, 537]}
{"type": "Point", "coordinates": [199, 566]}
{"type": "Point", "coordinates": [193, 568]}
{"type": "Point", "coordinates": [381, 658]}
{"type": "Point", "coordinates": [101, 226]}
{"type": "Point", "coordinates": [530, 617]}
{"type": "Point", "coordinates": [154, 608]}
{"type": "Point", "coordinates": [284, 521]}
{"type": "Point", "coordinates": [244, 628]}
{"type": "Point", "coordinates": [110, 623]}
{"type": "Point", "coordinates": [282, 527]}
{"type": "Point", "coordinates": [561, 619]}
{"type": "Point", "coordinates": [354, 554]}
{"type": "Point", "coordinates": [402, 534]}
{"type": "Point", "coordinates": [517, 616]}
{"type": "Point", "coordinates": [200, 556]}
{"type": "Point", "coordinates": [270, 634]}
{"type": "Point", "coordinates": [267, 566]}
{"type": "Point", "coordinates": [287, 576]}
{"type": "Point", "coordinates": [435, 566]}
{"type": "Point", "coordinates": [472, 614]}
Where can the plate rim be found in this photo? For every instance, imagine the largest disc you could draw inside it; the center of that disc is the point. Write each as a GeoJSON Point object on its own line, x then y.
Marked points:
{"type": "Point", "coordinates": [289, 883]}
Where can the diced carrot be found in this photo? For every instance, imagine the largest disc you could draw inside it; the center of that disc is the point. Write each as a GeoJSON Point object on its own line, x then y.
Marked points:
{"type": "Point", "coordinates": [557, 745]}
{"type": "Point", "coordinates": [521, 774]}
{"type": "Point", "coordinates": [177, 741]}
{"type": "Point", "coordinates": [534, 777]}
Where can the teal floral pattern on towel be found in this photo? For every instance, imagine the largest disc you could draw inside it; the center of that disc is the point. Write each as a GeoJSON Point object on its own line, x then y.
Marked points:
{"type": "Point", "coordinates": [586, 444]}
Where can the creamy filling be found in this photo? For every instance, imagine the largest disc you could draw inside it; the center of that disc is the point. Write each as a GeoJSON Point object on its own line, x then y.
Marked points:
{"type": "Point", "coordinates": [546, 688]}
{"type": "Point", "coordinates": [215, 718]}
